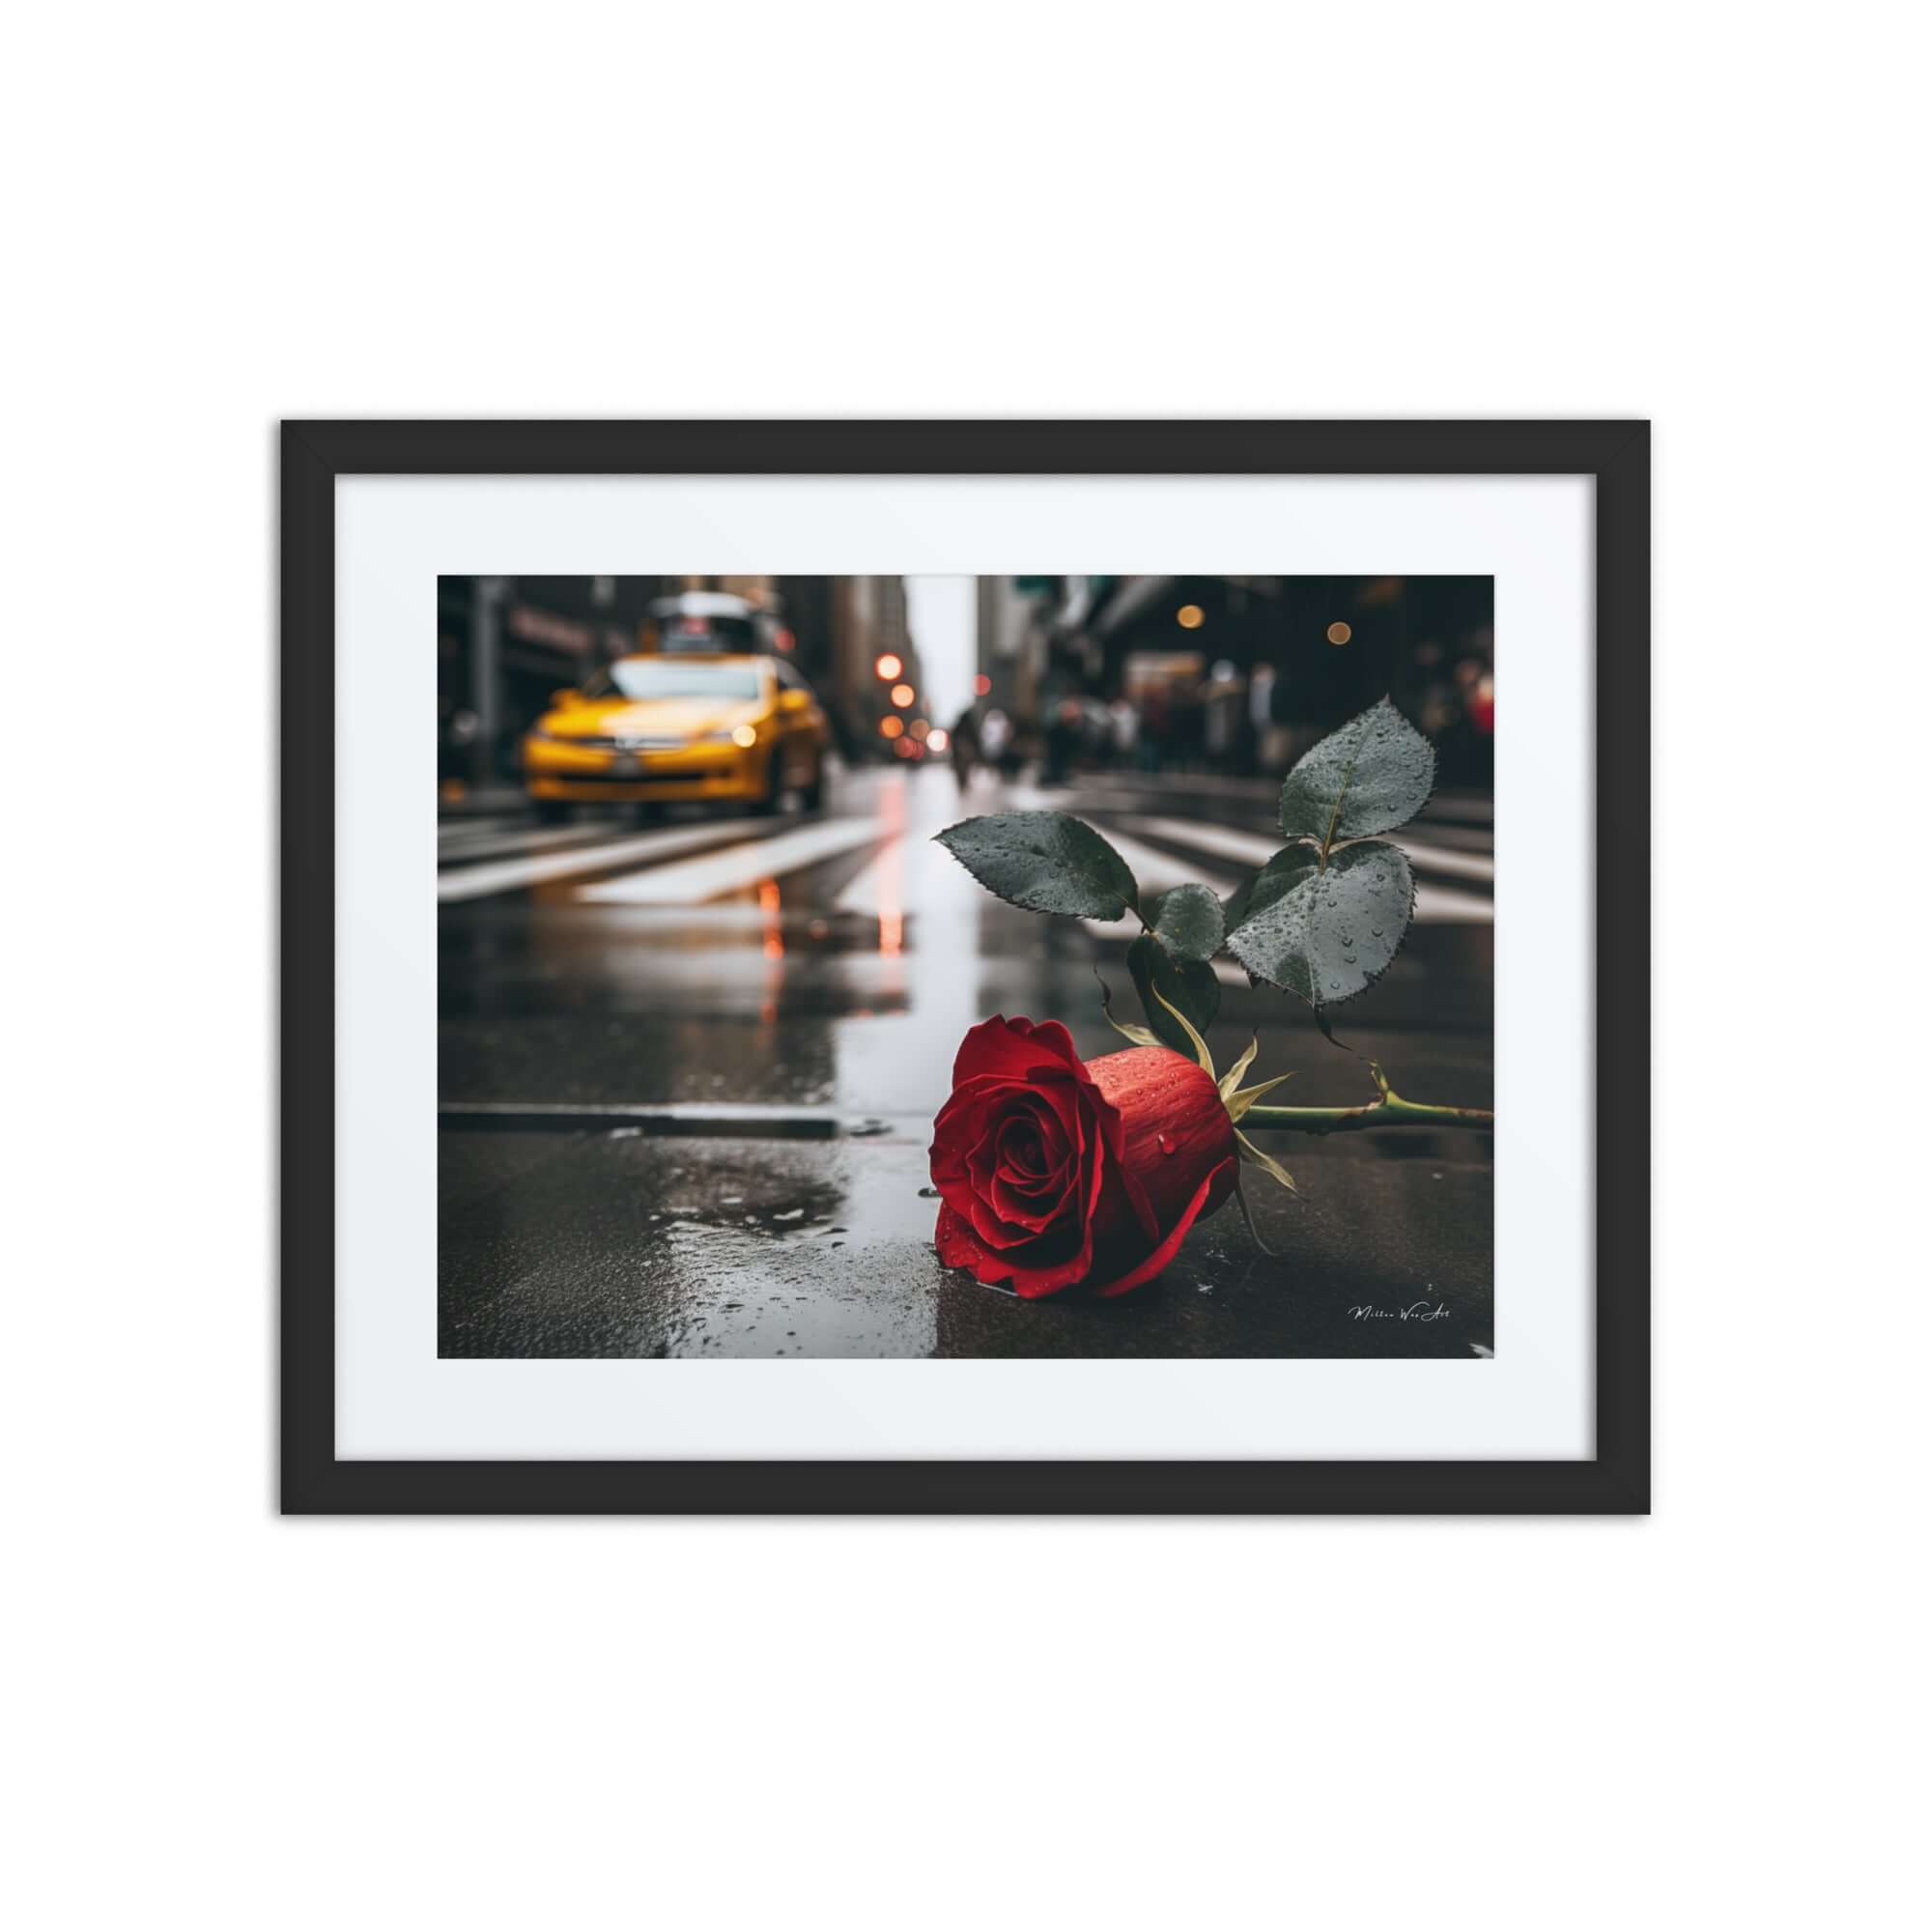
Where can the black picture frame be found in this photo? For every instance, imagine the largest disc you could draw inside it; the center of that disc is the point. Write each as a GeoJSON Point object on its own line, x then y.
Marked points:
{"type": "Point", "coordinates": [1616, 454]}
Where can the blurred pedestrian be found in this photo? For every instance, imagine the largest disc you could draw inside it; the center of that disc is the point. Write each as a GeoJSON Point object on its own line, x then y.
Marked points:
{"type": "Point", "coordinates": [1063, 740]}
{"type": "Point", "coordinates": [1153, 727]}
{"type": "Point", "coordinates": [1123, 727]}
{"type": "Point", "coordinates": [1221, 702]}
{"type": "Point", "coordinates": [963, 744]}
{"type": "Point", "coordinates": [1261, 714]}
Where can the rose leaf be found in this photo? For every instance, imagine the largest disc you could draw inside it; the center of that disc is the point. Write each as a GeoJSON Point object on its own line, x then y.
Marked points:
{"type": "Point", "coordinates": [1188, 922]}
{"type": "Point", "coordinates": [1331, 934]}
{"type": "Point", "coordinates": [1187, 984]}
{"type": "Point", "coordinates": [1276, 880]}
{"type": "Point", "coordinates": [1374, 774]}
{"type": "Point", "coordinates": [1044, 862]}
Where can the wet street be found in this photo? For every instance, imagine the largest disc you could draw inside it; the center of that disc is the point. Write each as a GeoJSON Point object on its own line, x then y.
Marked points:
{"type": "Point", "coordinates": [687, 1071]}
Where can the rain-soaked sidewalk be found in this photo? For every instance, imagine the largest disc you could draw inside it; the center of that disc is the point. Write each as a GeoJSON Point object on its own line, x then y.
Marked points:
{"type": "Point", "coordinates": [626, 1243]}
{"type": "Point", "coordinates": [687, 1100]}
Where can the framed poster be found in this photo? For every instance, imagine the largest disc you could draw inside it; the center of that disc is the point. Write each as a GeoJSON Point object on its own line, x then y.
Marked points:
{"type": "Point", "coordinates": [965, 966]}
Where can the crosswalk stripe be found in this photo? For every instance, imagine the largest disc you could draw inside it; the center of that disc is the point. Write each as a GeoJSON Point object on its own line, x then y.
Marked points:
{"type": "Point", "coordinates": [509, 876]}
{"type": "Point", "coordinates": [1247, 849]}
{"type": "Point", "coordinates": [1446, 905]}
{"type": "Point", "coordinates": [907, 874]}
{"type": "Point", "coordinates": [1256, 848]}
{"type": "Point", "coordinates": [1436, 904]}
{"type": "Point", "coordinates": [867, 890]}
{"type": "Point", "coordinates": [505, 845]}
{"type": "Point", "coordinates": [1444, 859]}
{"type": "Point", "coordinates": [696, 880]}
{"type": "Point", "coordinates": [459, 828]}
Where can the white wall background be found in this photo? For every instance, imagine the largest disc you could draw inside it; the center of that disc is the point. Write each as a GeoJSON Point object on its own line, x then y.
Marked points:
{"type": "Point", "coordinates": [220, 215]}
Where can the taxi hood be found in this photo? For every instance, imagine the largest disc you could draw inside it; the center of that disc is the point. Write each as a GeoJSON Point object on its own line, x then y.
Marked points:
{"type": "Point", "coordinates": [652, 717]}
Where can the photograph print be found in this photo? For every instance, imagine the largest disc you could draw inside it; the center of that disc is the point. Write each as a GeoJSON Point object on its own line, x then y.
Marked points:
{"type": "Point", "coordinates": [876, 966]}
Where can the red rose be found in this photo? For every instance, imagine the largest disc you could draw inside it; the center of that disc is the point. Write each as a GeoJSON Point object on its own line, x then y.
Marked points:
{"type": "Point", "coordinates": [1053, 1171]}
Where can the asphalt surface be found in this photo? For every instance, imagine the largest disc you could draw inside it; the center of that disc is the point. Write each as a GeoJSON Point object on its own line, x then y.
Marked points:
{"type": "Point", "coordinates": [687, 1071]}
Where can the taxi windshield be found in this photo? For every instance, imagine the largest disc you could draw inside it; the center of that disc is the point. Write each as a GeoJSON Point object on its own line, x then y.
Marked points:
{"type": "Point", "coordinates": [640, 678]}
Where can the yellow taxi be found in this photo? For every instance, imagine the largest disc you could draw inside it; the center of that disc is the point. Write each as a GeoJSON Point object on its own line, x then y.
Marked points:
{"type": "Point", "coordinates": [651, 729]}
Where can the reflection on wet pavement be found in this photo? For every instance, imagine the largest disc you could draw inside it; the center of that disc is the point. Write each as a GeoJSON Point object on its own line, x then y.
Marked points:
{"type": "Point", "coordinates": [636, 1244]}
{"type": "Point", "coordinates": [835, 965]}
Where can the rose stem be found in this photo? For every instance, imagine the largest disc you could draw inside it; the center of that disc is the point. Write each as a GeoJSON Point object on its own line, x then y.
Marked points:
{"type": "Point", "coordinates": [1390, 1111]}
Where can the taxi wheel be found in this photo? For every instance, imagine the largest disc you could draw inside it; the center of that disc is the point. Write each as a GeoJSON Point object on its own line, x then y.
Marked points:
{"type": "Point", "coordinates": [772, 797]}
{"type": "Point", "coordinates": [551, 811]}
{"type": "Point", "coordinates": [813, 797]}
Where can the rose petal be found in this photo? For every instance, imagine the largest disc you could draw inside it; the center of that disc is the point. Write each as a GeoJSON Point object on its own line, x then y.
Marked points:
{"type": "Point", "coordinates": [1014, 1048]}
{"type": "Point", "coordinates": [1222, 1178]}
{"type": "Point", "coordinates": [957, 1248]}
{"type": "Point", "coordinates": [963, 1123]}
{"type": "Point", "coordinates": [1022, 1153]}
{"type": "Point", "coordinates": [1028, 1113]}
{"type": "Point", "coordinates": [1022, 1150]}
{"type": "Point", "coordinates": [1020, 1210]}
{"type": "Point", "coordinates": [1001, 1214]}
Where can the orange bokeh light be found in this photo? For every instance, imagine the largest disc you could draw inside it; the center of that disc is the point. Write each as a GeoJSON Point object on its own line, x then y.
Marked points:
{"type": "Point", "coordinates": [888, 667]}
{"type": "Point", "coordinates": [982, 685]}
{"type": "Point", "coordinates": [903, 695]}
{"type": "Point", "coordinates": [770, 904]}
{"type": "Point", "coordinates": [891, 727]}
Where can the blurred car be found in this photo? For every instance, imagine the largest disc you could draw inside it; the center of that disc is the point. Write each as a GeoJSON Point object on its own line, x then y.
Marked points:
{"type": "Point", "coordinates": [651, 729]}
{"type": "Point", "coordinates": [705, 622]}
